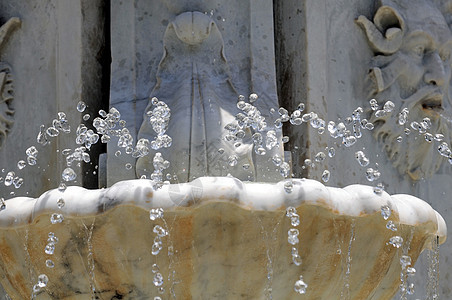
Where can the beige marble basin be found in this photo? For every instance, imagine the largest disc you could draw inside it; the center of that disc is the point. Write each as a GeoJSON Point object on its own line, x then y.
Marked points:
{"type": "Point", "coordinates": [227, 240]}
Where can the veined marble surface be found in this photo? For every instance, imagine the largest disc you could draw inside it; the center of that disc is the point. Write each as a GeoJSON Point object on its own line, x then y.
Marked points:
{"type": "Point", "coordinates": [227, 240]}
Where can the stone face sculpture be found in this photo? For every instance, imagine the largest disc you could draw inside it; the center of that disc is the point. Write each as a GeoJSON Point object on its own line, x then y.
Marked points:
{"type": "Point", "coordinates": [412, 43]}
{"type": "Point", "coordinates": [225, 239]}
{"type": "Point", "coordinates": [193, 80]}
{"type": "Point", "coordinates": [6, 83]}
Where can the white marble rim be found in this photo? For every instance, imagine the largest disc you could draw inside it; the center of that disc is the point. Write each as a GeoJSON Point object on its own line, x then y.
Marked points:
{"type": "Point", "coordinates": [354, 200]}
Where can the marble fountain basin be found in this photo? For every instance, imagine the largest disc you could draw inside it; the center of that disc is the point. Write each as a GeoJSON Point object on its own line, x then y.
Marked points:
{"type": "Point", "coordinates": [227, 240]}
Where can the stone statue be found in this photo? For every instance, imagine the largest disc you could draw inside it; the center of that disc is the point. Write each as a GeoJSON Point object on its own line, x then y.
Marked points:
{"type": "Point", "coordinates": [412, 43]}
{"type": "Point", "coordinates": [6, 83]}
{"type": "Point", "coordinates": [193, 80]}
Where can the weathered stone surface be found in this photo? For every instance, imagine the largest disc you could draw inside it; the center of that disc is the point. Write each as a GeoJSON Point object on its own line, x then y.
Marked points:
{"type": "Point", "coordinates": [323, 59]}
{"type": "Point", "coordinates": [411, 67]}
{"type": "Point", "coordinates": [227, 240]}
{"type": "Point", "coordinates": [53, 64]}
{"type": "Point", "coordinates": [149, 59]}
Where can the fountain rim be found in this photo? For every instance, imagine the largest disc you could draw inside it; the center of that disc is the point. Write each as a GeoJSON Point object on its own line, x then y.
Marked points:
{"type": "Point", "coordinates": [354, 200]}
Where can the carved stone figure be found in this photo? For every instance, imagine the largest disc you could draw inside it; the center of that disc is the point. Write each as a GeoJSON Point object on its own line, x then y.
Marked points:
{"type": "Point", "coordinates": [411, 67]}
{"type": "Point", "coordinates": [6, 83]}
{"type": "Point", "coordinates": [193, 80]}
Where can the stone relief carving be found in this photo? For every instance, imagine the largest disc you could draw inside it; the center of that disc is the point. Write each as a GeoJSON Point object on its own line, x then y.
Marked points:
{"type": "Point", "coordinates": [6, 83]}
{"type": "Point", "coordinates": [193, 80]}
{"type": "Point", "coordinates": [412, 43]}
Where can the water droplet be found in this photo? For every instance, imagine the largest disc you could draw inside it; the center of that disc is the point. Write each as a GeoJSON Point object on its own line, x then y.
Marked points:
{"type": "Point", "coordinates": [389, 106]}
{"type": "Point", "coordinates": [288, 186]}
{"type": "Point", "coordinates": [155, 249]}
{"type": "Point", "coordinates": [301, 106]}
{"type": "Point", "coordinates": [416, 126]}
{"type": "Point", "coordinates": [260, 151]}
{"type": "Point", "coordinates": [42, 136]}
{"type": "Point", "coordinates": [246, 166]}
{"type": "Point", "coordinates": [284, 169]}
{"type": "Point", "coordinates": [403, 116]}
{"type": "Point", "coordinates": [9, 178]}
{"type": "Point", "coordinates": [291, 211]}
{"type": "Point", "coordinates": [396, 241]}
{"type": "Point", "coordinates": [426, 123]}
{"type": "Point", "coordinates": [319, 157]}
{"type": "Point", "coordinates": [129, 150]}
{"type": "Point", "coordinates": [86, 117]}
{"type": "Point", "coordinates": [317, 122]}
{"type": "Point", "coordinates": [81, 106]}
{"type": "Point", "coordinates": [326, 176]}
{"type": "Point", "coordinates": [158, 279]}
{"type": "Point", "coordinates": [300, 286]}
{"type": "Point", "coordinates": [2, 204]}
{"type": "Point", "coordinates": [56, 218]}
{"type": "Point", "coordinates": [296, 258]}
{"type": "Point", "coordinates": [380, 113]}
{"type": "Point", "coordinates": [399, 139]}
{"type": "Point", "coordinates": [443, 149]}
{"type": "Point", "coordinates": [271, 141]}
{"type": "Point", "coordinates": [62, 187]}
{"type": "Point", "coordinates": [102, 113]}
{"type": "Point", "coordinates": [349, 141]}
{"type": "Point", "coordinates": [410, 271]}
{"type": "Point", "coordinates": [156, 213]}
{"type": "Point", "coordinates": [405, 261]}
{"type": "Point", "coordinates": [221, 150]}
{"type": "Point", "coordinates": [160, 231]}
{"type": "Point", "coordinates": [282, 111]}
{"type": "Point", "coordinates": [295, 220]}
{"type": "Point", "coordinates": [32, 152]}
{"type": "Point", "coordinates": [42, 280]}
{"type": "Point", "coordinates": [385, 211]}
{"type": "Point", "coordinates": [331, 152]}
{"type": "Point", "coordinates": [60, 203]}
{"type": "Point", "coordinates": [373, 104]}
{"type": "Point", "coordinates": [379, 188]}
{"type": "Point", "coordinates": [21, 164]}
{"type": "Point", "coordinates": [31, 160]}
{"type": "Point", "coordinates": [50, 263]}
{"type": "Point", "coordinates": [18, 182]}
{"type": "Point", "coordinates": [285, 139]}
{"type": "Point", "coordinates": [391, 226]}
{"type": "Point", "coordinates": [372, 174]}
{"type": "Point", "coordinates": [292, 236]}
{"type": "Point", "coordinates": [369, 126]}
{"type": "Point", "coordinates": [52, 238]}
{"type": "Point", "coordinates": [118, 153]}
{"type": "Point", "coordinates": [52, 132]}
{"type": "Point", "coordinates": [232, 160]}
{"type": "Point", "coordinates": [154, 100]}
{"type": "Point", "coordinates": [277, 160]}
{"type": "Point", "coordinates": [50, 249]}
{"type": "Point", "coordinates": [128, 166]}
{"type": "Point", "coordinates": [68, 174]}
{"type": "Point", "coordinates": [253, 98]}
{"type": "Point", "coordinates": [439, 137]}
{"type": "Point", "coordinates": [410, 289]}
{"type": "Point", "coordinates": [428, 137]}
